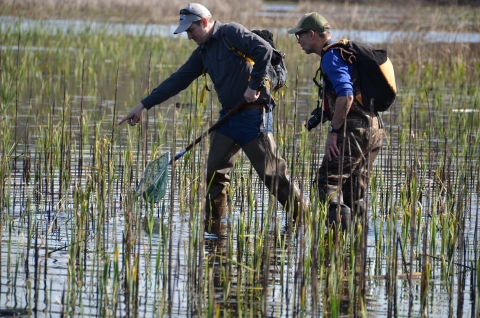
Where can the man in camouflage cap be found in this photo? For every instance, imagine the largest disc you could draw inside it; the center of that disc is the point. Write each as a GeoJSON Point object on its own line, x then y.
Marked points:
{"type": "Point", "coordinates": [355, 134]}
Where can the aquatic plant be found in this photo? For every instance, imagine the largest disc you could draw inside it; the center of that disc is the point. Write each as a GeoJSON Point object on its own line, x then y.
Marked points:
{"type": "Point", "coordinates": [78, 241]}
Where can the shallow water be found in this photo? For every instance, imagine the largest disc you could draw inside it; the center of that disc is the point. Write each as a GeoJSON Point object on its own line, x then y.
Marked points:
{"type": "Point", "coordinates": [366, 36]}
{"type": "Point", "coordinates": [85, 277]}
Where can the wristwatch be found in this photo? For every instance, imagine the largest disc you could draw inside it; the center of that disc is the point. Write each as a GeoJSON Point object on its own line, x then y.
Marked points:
{"type": "Point", "coordinates": [332, 130]}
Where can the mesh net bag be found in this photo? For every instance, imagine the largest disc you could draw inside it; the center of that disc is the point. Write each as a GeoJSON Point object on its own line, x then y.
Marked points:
{"type": "Point", "coordinates": [153, 185]}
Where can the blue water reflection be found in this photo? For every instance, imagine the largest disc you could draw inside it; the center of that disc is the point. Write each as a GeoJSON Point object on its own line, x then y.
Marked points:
{"type": "Point", "coordinates": [366, 36]}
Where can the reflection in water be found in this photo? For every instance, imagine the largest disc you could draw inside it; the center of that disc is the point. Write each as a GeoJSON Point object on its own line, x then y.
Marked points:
{"type": "Point", "coordinates": [218, 263]}
{"type": "Point", "coordinates": [366, 36]}
{"type": "Point", "coordinates": [93, 257]}
{"type": "Point", "coordinates": [272, 286]}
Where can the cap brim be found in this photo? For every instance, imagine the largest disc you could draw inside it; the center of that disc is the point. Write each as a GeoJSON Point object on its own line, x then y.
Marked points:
{"type": "Point", "coordinates": [182, 28]}
{"type": "Point", "coordinates": [294, 30]}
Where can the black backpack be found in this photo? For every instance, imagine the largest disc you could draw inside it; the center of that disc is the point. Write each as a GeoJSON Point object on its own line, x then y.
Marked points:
{"type": "Point", "coordinates": [277, 71]}
{"type": "Point", "coordinates": [374, 76]}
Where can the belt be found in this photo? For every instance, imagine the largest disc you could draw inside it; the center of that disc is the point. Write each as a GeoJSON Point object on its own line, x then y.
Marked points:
{"type": "Point", "coordinates": [251, 107]}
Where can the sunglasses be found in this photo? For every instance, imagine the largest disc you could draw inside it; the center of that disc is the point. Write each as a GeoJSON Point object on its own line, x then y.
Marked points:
{"type": "Point", "coordinates": [186, 12]}
{"type": "Point", "coordinates": [297, 35]}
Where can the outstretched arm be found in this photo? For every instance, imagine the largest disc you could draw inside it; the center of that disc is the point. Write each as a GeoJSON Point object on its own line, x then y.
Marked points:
{"type": "Point", "coordinates": [177, 82]}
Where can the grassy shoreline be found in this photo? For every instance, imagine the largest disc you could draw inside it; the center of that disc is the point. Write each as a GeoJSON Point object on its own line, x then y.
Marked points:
{"type": "Point", "coordinates": [387, 17]}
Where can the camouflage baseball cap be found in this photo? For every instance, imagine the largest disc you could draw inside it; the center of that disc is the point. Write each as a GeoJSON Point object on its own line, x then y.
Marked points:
{"type": "Point", "coordinates": [311, 21]}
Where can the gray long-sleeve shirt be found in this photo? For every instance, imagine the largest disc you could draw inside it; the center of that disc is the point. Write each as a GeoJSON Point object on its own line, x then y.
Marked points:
{"type": "Point", "coordinates": [228, 71]}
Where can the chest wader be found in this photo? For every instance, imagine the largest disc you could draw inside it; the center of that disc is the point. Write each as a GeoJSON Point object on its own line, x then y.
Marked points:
{"type": "Point", "coordinates": [271, 168]}
{"type": "Point", "coordinates": [343, 181]}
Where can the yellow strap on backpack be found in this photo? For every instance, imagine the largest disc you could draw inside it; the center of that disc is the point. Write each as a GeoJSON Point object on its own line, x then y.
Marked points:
{"type": "Point", "coordinates": [205, 87]}
{"type": "Point", "coordinates": [267, 82]}
{"type": "Point", "coordinates": [249, 60]}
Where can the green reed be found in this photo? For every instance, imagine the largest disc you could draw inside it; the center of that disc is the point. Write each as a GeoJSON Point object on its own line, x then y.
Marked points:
{"type": "Point", "coordinates": [68, 162]}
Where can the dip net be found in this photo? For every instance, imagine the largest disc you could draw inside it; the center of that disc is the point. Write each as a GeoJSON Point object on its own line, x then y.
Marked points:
{"type": "Point", "coordinates": [153, 185]}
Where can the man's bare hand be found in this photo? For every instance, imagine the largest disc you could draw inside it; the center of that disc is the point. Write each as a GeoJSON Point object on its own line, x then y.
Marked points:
{"type": "Point", "coordinates": [331, 149]}
{"type": "Point", "coordinates": [134, 117]}
{"type": "Point", "coordinates": [251, 95]}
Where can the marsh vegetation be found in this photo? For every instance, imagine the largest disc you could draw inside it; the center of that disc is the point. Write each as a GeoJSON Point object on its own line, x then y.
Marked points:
{"type": "Point", "coordinates": [77, 241]}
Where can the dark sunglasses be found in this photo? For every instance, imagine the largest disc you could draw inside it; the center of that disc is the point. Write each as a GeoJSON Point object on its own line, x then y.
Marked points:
{"type": "Point", "coordinates": [297, 35]}
{"type": "Point", "coordinates": [186, 12]}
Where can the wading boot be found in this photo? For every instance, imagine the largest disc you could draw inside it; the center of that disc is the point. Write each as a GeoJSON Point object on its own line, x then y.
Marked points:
{"type": "Point", "coordinates": [216, 226]}
{"type": "Point", "coordinates": [345, 216]}
{"type": "Point", "coordinates": [300, 202]}
{"type": "Point", "coordinates": [359, 209]}
{"type": "Point", "coordinates": [301, 205]}
{"type": "Point", "coordinates": [216, 208]}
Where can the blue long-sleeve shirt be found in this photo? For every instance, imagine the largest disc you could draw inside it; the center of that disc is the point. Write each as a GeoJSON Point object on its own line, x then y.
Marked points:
{"type": "Point", "coordinates": [338, 72]}
{"type": "Point", "coordinates": [228, 71]}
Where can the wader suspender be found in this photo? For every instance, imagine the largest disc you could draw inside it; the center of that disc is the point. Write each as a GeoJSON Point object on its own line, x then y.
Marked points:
{"type": "Point", "coordinates": [320, 89]}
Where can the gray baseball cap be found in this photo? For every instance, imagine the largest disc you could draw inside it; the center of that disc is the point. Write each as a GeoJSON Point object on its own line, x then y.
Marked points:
{"type": "Point", "coordinates": [191, 13]}
{"type": "Point", "coordinates": [311, 21]}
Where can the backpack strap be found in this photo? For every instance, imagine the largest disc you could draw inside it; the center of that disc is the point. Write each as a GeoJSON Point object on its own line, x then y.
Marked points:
{"type": "Point", "coordinates": [232, 48]}
{"type": "Point", "coordinates": [330, 45]}
{"type": "Point", "coordinates": [341, 46]}
{"type": "Point", "coordinates": [350, 58]}
{"type": "Point", "coordinates": [205, 87]}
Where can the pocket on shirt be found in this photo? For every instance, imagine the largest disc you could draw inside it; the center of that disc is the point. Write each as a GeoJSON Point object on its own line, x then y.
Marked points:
{"type": "Point", "coordinates": [226, 65]}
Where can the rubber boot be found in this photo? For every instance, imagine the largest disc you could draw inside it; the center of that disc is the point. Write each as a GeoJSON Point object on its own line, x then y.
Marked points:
{"type": "Point", "coordinates": [359, 208]}
{"type": "Point", "coordinates": [300, 202]}
{"type": "Point", "coordinates": [301, 205]}
{"type": "Point", "coordinates": [216, 227]}
{"type": "Point", "coordinates": [216, 208]}
{"type": "Point", "coordinates": [345, 216]}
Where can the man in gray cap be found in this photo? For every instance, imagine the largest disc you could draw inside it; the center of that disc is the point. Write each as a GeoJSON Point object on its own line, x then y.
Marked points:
{"type": "Point", "coordinates": [235, 80]}
{"type": "Point", "coordinates": [354, 136]}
